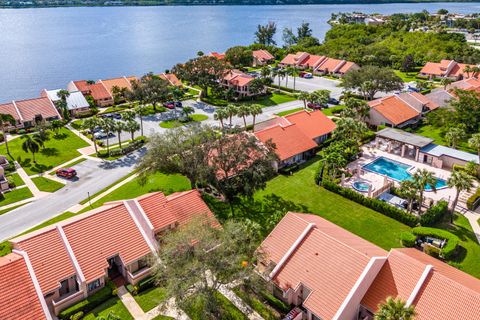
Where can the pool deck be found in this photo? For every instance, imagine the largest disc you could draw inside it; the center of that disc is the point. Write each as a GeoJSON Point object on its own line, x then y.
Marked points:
{"type": "Point", "coordinates": [371, 153]}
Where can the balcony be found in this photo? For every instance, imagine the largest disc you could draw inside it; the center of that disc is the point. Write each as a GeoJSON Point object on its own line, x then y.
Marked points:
{"type": "Point", "coordinates": [138, 275]}
{"type": "Point", "coordinates": [66, 300]}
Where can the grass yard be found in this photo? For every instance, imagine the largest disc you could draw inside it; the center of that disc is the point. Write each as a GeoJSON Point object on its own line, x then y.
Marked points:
{"type": "Point", "coordinates": [332, 110]}
{"type": "Point", "coordinates": [287, 112]}
{"type": "Point", "coordinates": [468, 259]}
{"type": "Point", "coordinates": [15, 196]}
{"type": "Point", "coordinates": [113, 305]}
{"type": "Point", "coordinates": [176, 123]}
{"type": "Point", "coordinates": [17, 180]}
{"type": "Point", "coordinates": [47, 185]}
{"type": "Point", "coordinates": [407, 76]}
{"type": "Point", "coordinates": [59, 149]}
{"type": "Point", "coordinates": [160, 317]}
{"type": "Point", "coordinates": [149, 299]}
{"type": "Point", "coordinates": [436, 134]}
{"type": "Point", "coordinates": [228, 311]}
{"type": "Point", "coordinates": [271, 100]}
{"type": "Point", "coordinates": [260, 307]}
{"type": "Point", "coordinates": [77, 124]}
{"type": "Point", "coordinates": [155, 182]}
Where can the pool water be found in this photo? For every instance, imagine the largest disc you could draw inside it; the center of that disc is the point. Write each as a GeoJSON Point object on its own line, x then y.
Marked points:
{"type": "Point", "coordinates": [361, 186]}
{"type": "Point", "coordinates": [397, 171]}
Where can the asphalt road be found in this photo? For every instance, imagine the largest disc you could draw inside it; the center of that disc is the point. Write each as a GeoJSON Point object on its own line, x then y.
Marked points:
{"type": "Point", "coordinates": [93, 177]}
{"type": "Point", "coordinates": [309, 85]}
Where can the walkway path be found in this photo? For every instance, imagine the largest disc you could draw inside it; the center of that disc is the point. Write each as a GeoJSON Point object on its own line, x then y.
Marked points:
{"type": "Point", "coordinates": [470, 215]}
{"type": "Point", "coordinates": [239, 303]}
{"type": "Point", "coordinates": [130, 303]}
{"type": "Point", "coordinates": [29, 183]}
{"type": "Point", "coordinates": [168, 309]}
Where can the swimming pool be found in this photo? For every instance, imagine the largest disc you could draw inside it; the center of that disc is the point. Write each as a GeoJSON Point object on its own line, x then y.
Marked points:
{"type": "Point", "coordinates": [397, 171]}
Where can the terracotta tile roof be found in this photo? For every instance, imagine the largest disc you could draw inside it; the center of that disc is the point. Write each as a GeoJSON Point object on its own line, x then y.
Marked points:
{"type": "Point", "coordinates": [9, 108]}
{"type": "Point", "coordinates": [289, 140]}
{"type": "Point", "coordinates": [312, 61]}
{"type": "Point", "coordinates": [282, 121]}
{"type": "Point", "coordinates": [122, 82]}
{"type": "Point", "coordinates": [18, 297]}
{"type": "Point", "coordinates": [82, 85]}
{"type": "Point", "coordinates": [96, 90]}
{"type": "Point", "coordinates": [49, 257]}
{"type": "Point", "coordinates": [32, 107]}
{"type": "Point", "coordinates": [219, 56]}
{"type": "Point", "coordinates": [394, 109]}
{"type": "Point", "coordinates": [172, 78]}
{"type": "Point", "coordinates": [313, 124]}
{"type": "Point", "coordinates": [262, 55]}
{"type": "Point", "coordinates": [449, 68]}
{"type": "Point", "coordinates": [329, 65]}
{"type": "Point", "coordinates": [96, 237]}
{"type": "Point", "coordinates": [238, 78]}
{"type": "Point", "coordinates": [347, 67]}
{"type": "Point", "coordinates": [176, 209]}
{"type": "Point", "coordinates": [289, 59]}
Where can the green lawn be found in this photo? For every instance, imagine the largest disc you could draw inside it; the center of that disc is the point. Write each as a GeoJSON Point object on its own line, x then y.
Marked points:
{"type": "Point", "coordinates": [407, 76]}
{"type": "Point", "coordinates": [287, 112]}
{"type": "Point", "coordinates": [58, 149]}
{"type": "Point", "coordinates": [160, 317]}
{"type": "Point", "coordinates": [436, 134]}
{"type": "Point", "coordinates": [16, 179]}
{"type": "Point", "coordinates": [47, 185]}
{"type": "Point", "coordinates": [15, 196]}
{"type": "Point", "coordinates": [176, 123]}
{"type": "Point", "coordinates": [468, 259]}
{"type": "Point", "coordinates": [259, 306]}
{"type": "Point", "coordinates": [113, 305]}
{"type": "Point", "coordinates": [155, 182]}
{"type": "Point", "coordinates": [332, 110]}
{"type": "Point", "coordinates": [150, 298]}
{"type": "Point", "coordinates": [271, 100]}
{"type": "Point", "coordinates": [77, 124]}
{"type": "Point", "coordinates": [196, 306]}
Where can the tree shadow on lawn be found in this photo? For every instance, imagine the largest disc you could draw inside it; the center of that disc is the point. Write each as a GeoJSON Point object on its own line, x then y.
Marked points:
{"type": "Point", "coordinates": [50, 152]}
{"type": "Point", "coordinates": [60, 136]}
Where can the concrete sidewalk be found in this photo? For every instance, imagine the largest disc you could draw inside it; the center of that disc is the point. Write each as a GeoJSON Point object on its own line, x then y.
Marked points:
{"type": "Point", "coordinates": [29, 183]}
{"type": "Point", "coordinates": [130, 303]}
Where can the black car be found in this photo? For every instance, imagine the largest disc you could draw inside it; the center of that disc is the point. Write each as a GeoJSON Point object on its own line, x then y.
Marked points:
{"type": "Point", "coordinates": [178, 104]}
{"type": "Point", "coordinates": [333, 101]}
{"type": "Point", "coordinates": [117, 116]}
{"type": "Point", "coordinates": [108, 115]}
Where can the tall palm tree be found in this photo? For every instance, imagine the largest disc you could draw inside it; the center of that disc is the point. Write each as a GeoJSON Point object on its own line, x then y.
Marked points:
{"type": "Point", "coordinates": [119, 126]}
{"type": "Point", "coordinates": [255, 110]}
{"type": "Point", "coordinates": [445, 82]}
{"type": "Point", "coordinates": [31, 144]}
{"type": "Point", "coordinates": [305, 96]}
{"type": "Point", "coordinates": [220, 115]}
{"type": "Point", "coordinates": [108, 125]}
{"type": "Point", "coordinates": [128, 115]}
{"type": "Point", "coordinates": [90, 124]}
{"type": "Point", "coordinates": [6, 119]}
{"type": "Point", "coordinates": [474, 142]}
{"type": "Point", "coordinates": [467, 70]}
{"type": "Point", "coordinates": [141, 111]}
{"type": "Point", "coordinates": [454, 136]}
{"type": "Point", "coordinates": [294, 74]}
{"type": "Point", "coordinates": [232, 111]}
{"type": "Point", "coordinates": [394, 309]}
{"type": "Point", "coordinates": [475, 71]}
{"type": "Point", "coordinates": [461, 181]}
{"type": "Point", "coordinates": [244, 111]}
{"type": "Point", "coordinates": [422, 178]}
{"type": "Point", "coordinates": [408, 190]}
{"type": "Point", "coordinates": [63, 95]}
{"type": "Point", "coordinates": [132, 126]}
{"type": "Point", "coordinates": [265, 72]}
{"type": "Point", "coordinates": [288, 73]}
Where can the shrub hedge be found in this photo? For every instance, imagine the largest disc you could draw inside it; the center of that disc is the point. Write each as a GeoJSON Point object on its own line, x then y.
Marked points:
{"type": "Point", "coordinates": [408, 239]}
{"type": "Point", "coordinates": [449, 249]}
{"type": "Point", "coordinates": [89, 303]}
{"type": "Point", "coordinates": [474, 197]}
{"type": "Point", "coordinates": [374, 204]}
{"type": "Point", "coordinates": [146, 284]}
{"type": "Point", "coordinates": [434, 214]}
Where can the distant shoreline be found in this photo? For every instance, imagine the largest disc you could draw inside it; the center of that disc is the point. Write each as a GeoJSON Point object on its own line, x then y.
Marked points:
{"type": "Point", "coordinates": [216, 3]}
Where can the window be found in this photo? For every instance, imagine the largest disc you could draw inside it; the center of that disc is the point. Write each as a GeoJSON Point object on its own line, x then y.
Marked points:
{"type": "Point", "coordinates": [142, 263]}
{"type": "Point", "coordinates": [93, 285]}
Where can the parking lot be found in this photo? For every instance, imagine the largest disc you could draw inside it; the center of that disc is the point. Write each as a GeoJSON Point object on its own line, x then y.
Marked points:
{"type": "Point", "coordinates": [315, 83]}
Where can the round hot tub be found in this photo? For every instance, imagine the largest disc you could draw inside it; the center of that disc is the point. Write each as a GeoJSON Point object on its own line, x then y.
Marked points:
{"type": "Point", "coordinates": [362, 186]}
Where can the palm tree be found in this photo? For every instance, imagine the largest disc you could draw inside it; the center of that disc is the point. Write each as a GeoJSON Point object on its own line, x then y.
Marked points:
{"type": "Point", "coordinates": [4, 120]}
{"type": "Point", "coordinates": [128, 115]}
{"type": "Point", "coordinates": [408, 190]}
{"type": "Point", "coordinates": [90, 124]}
{"type": "Point", "coordinates": [394, 309]}
{"type": "Point", "coordinates": [349, 127]}
{"type": "Point", "coordinates": [232, 111]}
{"type": "Point", "coordinates": [141, 111]}
{"type": "Point", "coordinates": [288, 72]}
{"type": "Point", "coordinates": [445, 82]}
{"type": "Point", "coordinates": [467, 70]}
{"type": "Point", "coordinates": [187, 111]}
{"type": "Point", "coordinates": [31, 144]}
{"type": "Point", "coordinates": [461, 181]}
{"type": "Point", "coordinates": [244, 111]}
{"type": "Point", "coordinates": [220, 115]}
{"type": "Point", "coordinates": [255, 110]}
{"type": "Point", "coordinates": [422, 178]}
{"type": "Point", "coordinates": [454, 136]}
{"type": "Point", "coordinates": [132, 126]}
{"type": "Point", "coordinates": [474, 142]}
{"type": "Point", "coordinates": [63, 95]}
{"type": "Point", "coordinates": [475, 71]}
{"type": "Point", "coordinates": [108, 125]}
{"type": "Point", "coordinates": [56, 125]}
{"type": "Point", "coordinates": [294, 74]}
{"type": "Point", "coordinates": [265, 72]}
{"type": "Point", "coordinates": [119, 126]}
{"type": "Point", "coordinates": [305, 96]}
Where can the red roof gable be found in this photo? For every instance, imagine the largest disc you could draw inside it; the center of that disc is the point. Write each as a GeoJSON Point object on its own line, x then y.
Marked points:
{"type": "Point", "coordinates": [37, 106]}
{"type": "Point", "coordinates": [9, 108]}
{"type": "Point", "coordinates": [313, 124]}
{"type": "Point", "coordinates": [97, 90]}
{"type": "Point", "coordinates": [262, 55]}
{"type": "Point", "coordinates": [394, 109]}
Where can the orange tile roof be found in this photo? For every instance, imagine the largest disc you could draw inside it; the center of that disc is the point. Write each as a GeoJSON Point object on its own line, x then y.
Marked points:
{"type": "Point", "coordinates": [9, 108]}
{"type": "Point", "coordinates": [32, 107]}
{"type": "Point", "coordinates": [440, 69]}
{"type": "Point", "coordinates": [122, 82]}
{"type": "Point", "coordinates": [96, 90]}
{"type": "Point", "coordinates": [312, 60]}
{"type": "Point", "coordinates": [18, 297]}
{"type": "Point", "coordinates": [262, 55]}
{"type": "Point", "coordinates": [347, 67]}
{"type": "Point", "coordinates": [49, 258]}
{"type": "Point", "coordinates": [329, 65]}
{"type": "Point", "coordinates": [96, 237]}
{"type": "Point", "coordinates": [289, 59]}
{"type": "Point", "coordinates": [289, 140]}
{"type": "Point", "coordinates": [238, 78]}
{"type": "Point", "coordinates": [393, 109]}
{"type": "Point", "coordinates": [217, 55]}
{"type": "Point", "coordinates": [313, 124]}
{"type": "Point", "coordinates": [172, 78]}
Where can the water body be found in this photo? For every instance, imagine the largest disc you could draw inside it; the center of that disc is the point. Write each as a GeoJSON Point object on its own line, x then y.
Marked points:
{"type": "Point", "coordinates": [46, 48]}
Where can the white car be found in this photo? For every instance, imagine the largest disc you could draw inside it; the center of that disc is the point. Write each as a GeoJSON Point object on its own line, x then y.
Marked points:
{"type": "Point", "coordinates": [308, 76]}
{"type": "Point", "coordinates": [102, 134]}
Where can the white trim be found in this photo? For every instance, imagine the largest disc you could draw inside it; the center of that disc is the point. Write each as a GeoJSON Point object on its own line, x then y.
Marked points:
{"type": "Point", "coordinates": [43, 303]}
{"type": "Point", "coordinates": [357, 284]}
{"type": "Point", "coordinates": [144, 215]}
{"type": "Point", "coordinates": [18, 111]}
{"type": "Point", "coordinates": [294, 246]}
{"type": "Point", "coordinates": [139, 227]}
{"type": "Point", "coordinates": [54, 107]}
{"type": "Point", "coordinates": [419, 285]}
{"type": "Point", "coordinates": [74, 260]}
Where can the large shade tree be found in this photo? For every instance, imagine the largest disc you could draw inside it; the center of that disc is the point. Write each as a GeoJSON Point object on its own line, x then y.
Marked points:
{"type": "Point", "coordinates": [370, 80]}
{"type": "Point", "coordinates": [150, 89]}
{"type": "Point", "coordinates": [265, 34]}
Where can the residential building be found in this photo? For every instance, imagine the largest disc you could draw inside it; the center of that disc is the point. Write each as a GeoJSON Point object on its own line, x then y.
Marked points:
{"type": "Point", "coordinates": [319, 64]}
{"type": "Point", "coordinates": [219, 56]}
{"type": "Point", "coordinates": [335, 67]}
{"type": "Point", "coordinates": [73, 259]}
{"type": "Point", "coordinates": [443, 96]}
{"type": "Point", "coordinates": [27, 113]}
{"type": "Point", "coordinates": [296, 136]}
{"type": "Point", "coordinates": [101, 96]}
{"type": "Point", "coordinates": [334, 274]}
{"type": "Point", "coordinates": [399, 110]}
{"type": "Point", "coordinates": [4, 185]}
{"type": "Point", "coordinates": [262, 57]}
{"type": "Point", "coordinates": [121, 83]}
{"type": "Point", "coordinates": [240, 82]}
{"type": "Point", "coordinates": [172, 79]}
{"type": "Point", "coordinates": [76, 102]}
{"type": "Point", "coordinates": [446, 69]}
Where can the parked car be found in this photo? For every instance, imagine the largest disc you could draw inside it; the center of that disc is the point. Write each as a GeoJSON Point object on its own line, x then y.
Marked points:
{"type": "Point", "coordinates": [307, 75]}
{"type": "Point", "coordinates": [178, 104]}
{"type": "Point", "coordinates": [107, 115]}
{"type": "Point", "coordinates": [68, 173]}
{"type": "Point", "coordinates": [169, 105]}
{"type": "Point", "coordinates": [333, 101]}
{"type": "Point", "coordinates": [117, 116]}
{"type": "Point", "coordinates": [102, 134]}
{"type": "Point", "coordinates": [315, 106]}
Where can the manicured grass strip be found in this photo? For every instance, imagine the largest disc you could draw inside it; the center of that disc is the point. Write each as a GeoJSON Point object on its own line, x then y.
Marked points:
{"type": "Point", "coordinates": [5, 248]}
{"type": "Point", "coordinates": [108, 187]}
{"type": "Point", "coordinates": [407, 76]}
{"type": "Point", "coordinates": [71, 164]}
{"type": "Point", "coordinates": [77, 124]}
{"type": "Point", "coordinates": [332, 110]}
{"type": "Point", "coordinates": [155, 182]}
{"type": "Point", "coordinates": [47, 185]}
{"type": "Point", "coordinates": [160, 317]}
{"type": "Point", "coordinates": [151, 298]}
{"type": "Point", "coordinates": [287, 112]}
{"type": "Point", "coordinates": [196, 305]}
{"type": "Point", "coordinates": [176, 123]}
{"type": "Point", "coordinates": [260, 307]}
{"type": "Point", "coordinates": [438, 137]}
{"type": "Point", "coordinates": [15, 196]}
{"type": "Point", "coordinates": [12, 208]}
{"type": "Point", "coordinates": [16, 179]}
{"type": "Point", "coordinates": [59, 149]}
{"type": "Point", "coordinates": [272, 100]}
{"type": "Point", "coordinates": [114, 306]}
